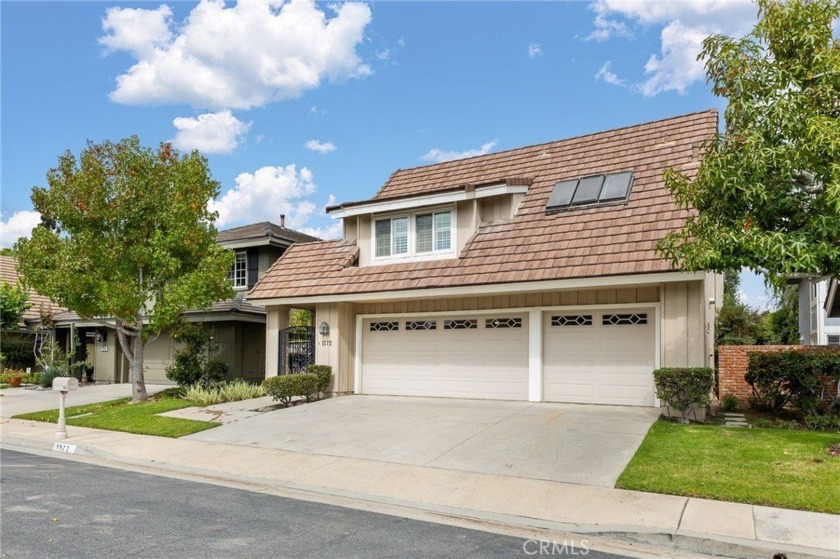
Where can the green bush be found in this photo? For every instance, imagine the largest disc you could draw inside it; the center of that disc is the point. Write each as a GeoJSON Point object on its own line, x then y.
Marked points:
{"type": "Point", "coordinates": [729, 402]}
{"type": "Point", "coordinates": [804, 378]}
{"type": "Point", "coordinates": [284, 388]}
{"type": "Point", "coordinates": [232, 391]}
{"type": "Point", "coordinates": [324, 373]}
{"type": "Point", "coordinates": [45, 378]}
{"type": "Point", "coordinates": [683, 388]}
{"type": "Point", "coordinates": [192, 364]}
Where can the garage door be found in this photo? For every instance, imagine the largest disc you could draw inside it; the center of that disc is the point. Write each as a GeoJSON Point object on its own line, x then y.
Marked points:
{"type": "Point", "coordinates": [453, 356]}
{"type": "Point", "coordinates": [604, 357]}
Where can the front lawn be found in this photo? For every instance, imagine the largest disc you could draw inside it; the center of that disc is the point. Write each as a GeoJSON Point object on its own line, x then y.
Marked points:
{"type": "Point", "coordinates": [121, 415]}
{"type": "Point", "coordinates": [773, 467]}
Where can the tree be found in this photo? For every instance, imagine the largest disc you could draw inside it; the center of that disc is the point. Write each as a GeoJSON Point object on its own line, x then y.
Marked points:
{"type": "Point", "coordinates": [127, 240]}
{"type": "Point", "coordinates": [738, 323]}
{"type": "Point", "coordinates": [196, 361]}
{"type": "Point", "coordinates": [784, 321]}
{"type": "Point", "coordinates": [14, 302]}
{"type": "Point", "coordinates": [301, 317]}
{"type": "Point", "coordinates": [767, 192]}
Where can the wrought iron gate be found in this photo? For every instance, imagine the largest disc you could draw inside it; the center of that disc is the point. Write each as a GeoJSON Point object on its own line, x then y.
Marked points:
{"type": "Point", "coordinates": [297, 349]}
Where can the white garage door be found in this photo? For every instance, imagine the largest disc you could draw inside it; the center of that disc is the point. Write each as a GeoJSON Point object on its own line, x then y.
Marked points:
{"type": "Point", "coordinates": [453, 356]}
{"type": "Point", "coordinates": [603, 357]}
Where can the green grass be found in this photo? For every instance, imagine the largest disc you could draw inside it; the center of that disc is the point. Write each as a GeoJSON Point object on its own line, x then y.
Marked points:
{"type": "Point", "coordinates": [121, 415]}
{"type": "Point", "coordinates": [773, 467]}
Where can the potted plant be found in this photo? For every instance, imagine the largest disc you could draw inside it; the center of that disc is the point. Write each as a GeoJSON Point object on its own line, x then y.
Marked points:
{"type": "Point", "coordinates": [15, 377]}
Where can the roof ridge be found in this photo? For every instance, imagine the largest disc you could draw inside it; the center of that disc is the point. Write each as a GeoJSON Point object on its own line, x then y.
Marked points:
{"type": "Point", "coordinates": [712, 110]}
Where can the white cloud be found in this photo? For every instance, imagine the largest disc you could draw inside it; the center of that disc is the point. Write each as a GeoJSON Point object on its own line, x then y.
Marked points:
{"type": "Point", "coordinates": [210, 133]}
{"type": "Point", "coordinates": [328, 233]}
{"type": "Point", "coordinates": [236, 57]}
{"type": "Point", "coordinates": [317, 111]}
{"type": "Point", "coordinates": [267, 193]}
{"type": "Point", "coordinates": [684, 26]}
{"type": "Point", "coordinates": [320, 147]}
{"type": "Point", "coordinates": [609, 76]}
{"type": "Point", "coordinates": [20, 224]}
{"type": "Point", "coordinates": [383, 54]}
{"type": "Point", "coordinates": [438, 155]}
{"type": "Point", "coordinates": [138, 31]}
{"type": "Point", "coordinates": [534, 50]}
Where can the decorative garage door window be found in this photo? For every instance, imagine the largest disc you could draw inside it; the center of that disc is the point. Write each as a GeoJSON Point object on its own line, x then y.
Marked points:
{"type": "Point", "coordinates": [414, 325]}
{"type": "Point", "coordinates": [384, 326]}
{"type": "Point", "coordinates": [624, 319]}
{"type": "Point", "coordinates": [464, 324]}
{"type": "Point", "coordinates": [572, 320]}
{"type": "Point", "coordinates": [503, 323]}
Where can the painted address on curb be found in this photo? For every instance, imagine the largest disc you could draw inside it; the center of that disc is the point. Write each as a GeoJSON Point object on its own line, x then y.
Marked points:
{"type": "Point", "coordinates": [64, 447]}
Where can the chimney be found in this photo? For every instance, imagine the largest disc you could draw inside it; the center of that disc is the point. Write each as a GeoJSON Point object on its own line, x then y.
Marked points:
{"type": "Point", "coordinates": [283, 220]}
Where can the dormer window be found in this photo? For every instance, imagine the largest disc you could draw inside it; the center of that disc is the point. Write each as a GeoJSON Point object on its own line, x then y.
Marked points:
{"type": "Point", "coordinates": [422, 233]}
{"type": "Point", "coordinates": [238, 275]}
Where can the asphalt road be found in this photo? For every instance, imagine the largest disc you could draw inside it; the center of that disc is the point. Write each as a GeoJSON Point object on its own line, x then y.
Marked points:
{"type": "Point", "coordinates": [59, 508]}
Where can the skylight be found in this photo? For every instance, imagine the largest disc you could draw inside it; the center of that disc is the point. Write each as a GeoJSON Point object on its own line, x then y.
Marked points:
{"type": "Point", "coordinates": [590, 190]}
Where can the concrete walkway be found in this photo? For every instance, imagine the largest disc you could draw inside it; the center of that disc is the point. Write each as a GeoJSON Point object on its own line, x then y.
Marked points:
{"type": "Point", "coordinates": [16, 401]}
{"type": "Point", "coordinates": [681, 524]}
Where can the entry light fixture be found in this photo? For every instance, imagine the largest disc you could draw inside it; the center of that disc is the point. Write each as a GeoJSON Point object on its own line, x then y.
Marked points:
{"type": "Point", "coordinates": [324, 329]}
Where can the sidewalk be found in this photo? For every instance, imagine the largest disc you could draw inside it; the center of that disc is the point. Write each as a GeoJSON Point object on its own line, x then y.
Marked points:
{"type": "Point", "coordinates": [679, 523]}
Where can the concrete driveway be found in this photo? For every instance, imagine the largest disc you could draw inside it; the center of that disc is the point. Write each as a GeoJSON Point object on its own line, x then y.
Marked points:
{"type": "Point", "coordinates": [24, 400]}
{"type": "Point", "coordinates": [572, 443]}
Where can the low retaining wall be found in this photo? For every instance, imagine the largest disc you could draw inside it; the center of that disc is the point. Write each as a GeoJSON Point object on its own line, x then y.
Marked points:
{"type": "Point", "coordinates": [733, 361]}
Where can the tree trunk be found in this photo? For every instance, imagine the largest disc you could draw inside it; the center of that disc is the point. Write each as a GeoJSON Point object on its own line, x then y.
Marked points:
{"type": "Point", "coordinates": [132, 346]}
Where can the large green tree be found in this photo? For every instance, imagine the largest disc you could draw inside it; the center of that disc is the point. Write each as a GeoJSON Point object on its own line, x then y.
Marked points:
{"type": "Point", "coordinates": [14, 302]}
{"type": "Point", "coordinates": [767, 192]}
{"type": "Point", "coordinates": [127, 240]}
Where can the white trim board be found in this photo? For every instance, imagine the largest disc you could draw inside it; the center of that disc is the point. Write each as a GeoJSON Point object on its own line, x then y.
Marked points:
{"type": "Point", "coordinates": [488, 289]}
{"type": "Point", "coordinates": [416, 202]}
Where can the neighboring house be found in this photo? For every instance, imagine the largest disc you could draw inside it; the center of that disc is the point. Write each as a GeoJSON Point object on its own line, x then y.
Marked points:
{"type": "Point", "coordinates": [239, 325]}
{"type": "Point", "coordinates": [38, 303]}
{"type": "Point", "coordinates": [527, 274]}
{"type": "Point", "coordinates": [819, 312]}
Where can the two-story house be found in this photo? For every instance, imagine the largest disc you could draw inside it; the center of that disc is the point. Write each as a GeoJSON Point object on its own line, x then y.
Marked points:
{"type": "Point", "coordinates": [528, 274]}
{"type": "Point", "coordinates": [238, 325]}
{"type": "Point", "coordinates": [818, 325]}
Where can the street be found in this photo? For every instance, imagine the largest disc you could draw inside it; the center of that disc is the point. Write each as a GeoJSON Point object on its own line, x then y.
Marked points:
{"type": "Point", "coordinates": [60, 508]}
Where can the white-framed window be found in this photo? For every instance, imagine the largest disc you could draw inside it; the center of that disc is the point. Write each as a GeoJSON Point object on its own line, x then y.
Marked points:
{"type": "Point", "coordinates": [238, 275]}
{"type": "Point", "coordinates": [420, 233]}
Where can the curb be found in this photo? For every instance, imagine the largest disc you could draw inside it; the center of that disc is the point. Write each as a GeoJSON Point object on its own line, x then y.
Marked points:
{"type": "Point", "coordinates": [687, 542]}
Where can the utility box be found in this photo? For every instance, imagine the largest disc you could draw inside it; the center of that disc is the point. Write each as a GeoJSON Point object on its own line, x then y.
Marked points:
{"type": "Point", "coordinates": [65, 384]}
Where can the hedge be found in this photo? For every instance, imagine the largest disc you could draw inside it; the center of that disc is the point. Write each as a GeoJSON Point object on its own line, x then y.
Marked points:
{"type": "Point", "coordinates": [684, 387]}
{"type": "Point", "coordinates": [805, 378]}
{"type": "Point", "coordinates": [285, 388]}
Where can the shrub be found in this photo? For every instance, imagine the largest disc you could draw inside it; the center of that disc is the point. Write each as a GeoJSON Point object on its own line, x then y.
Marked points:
{"type": "Point", "coordinates": [324, 373]}
{"type": "Point", "coordinates": [232, 391]}
{"type": "Point", "coordinates": [684, 387]}
{"type": "Point", "coordinates": [285, 388]}
{"type": "Point", "coordinates": [822, 422]}
{"type": "Point", "coordinates": [45, 378]}
{"type": "Point", "coordinates": [729, 402]}
{"type": "Point", "coordinates": [192, 364]}
{"type": "Point", "coordinates": [239, 389]}
{"type": "Point", "coordinates": [203, 395]}
{"type": "Point", "coordinates": [805, 378]}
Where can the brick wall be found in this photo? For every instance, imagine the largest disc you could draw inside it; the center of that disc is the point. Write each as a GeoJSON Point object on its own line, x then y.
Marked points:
{"type": "Point", "coordinates": [733, 361]}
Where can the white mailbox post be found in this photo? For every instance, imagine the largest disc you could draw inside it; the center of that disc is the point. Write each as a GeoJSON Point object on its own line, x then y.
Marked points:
{"type": "Point", "coordinates": [63, 385]}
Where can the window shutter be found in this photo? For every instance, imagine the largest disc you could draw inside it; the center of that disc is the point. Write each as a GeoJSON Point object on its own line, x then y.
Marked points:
{"type": "Point", "coordinates": [253, 266]}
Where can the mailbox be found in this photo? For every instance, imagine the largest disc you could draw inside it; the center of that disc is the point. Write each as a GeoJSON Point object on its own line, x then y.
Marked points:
{"type": "Point", "coordinates": [65, 383]}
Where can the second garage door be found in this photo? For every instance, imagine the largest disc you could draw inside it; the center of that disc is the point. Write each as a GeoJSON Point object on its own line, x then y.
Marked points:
{"type": "Point", "coordinates": [452, 356]}
{"type": "Point", "coordinates": [604, 357]}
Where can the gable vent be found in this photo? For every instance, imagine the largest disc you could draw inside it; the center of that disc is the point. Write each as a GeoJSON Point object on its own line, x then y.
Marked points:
{"type": "Point", "coordinates": [590, 190]}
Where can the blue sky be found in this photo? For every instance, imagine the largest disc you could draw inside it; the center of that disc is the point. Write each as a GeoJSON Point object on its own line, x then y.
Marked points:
{"type": "Point", "coordinates": [371, 87]}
